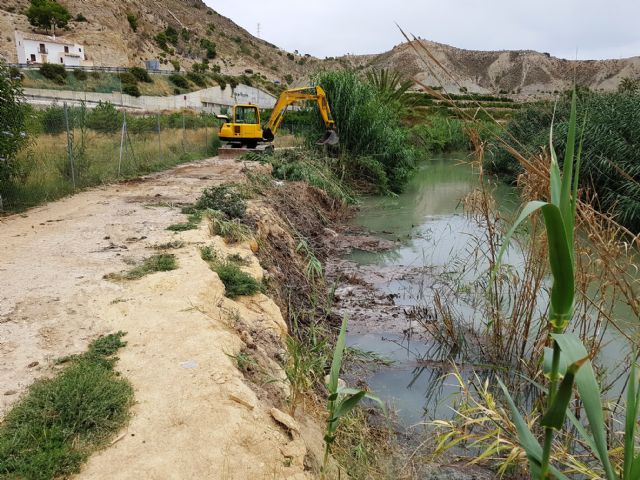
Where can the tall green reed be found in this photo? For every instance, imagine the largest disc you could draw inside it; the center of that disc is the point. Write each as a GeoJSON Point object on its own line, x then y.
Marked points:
{"type": "Point", "coordinates": [568, 363]}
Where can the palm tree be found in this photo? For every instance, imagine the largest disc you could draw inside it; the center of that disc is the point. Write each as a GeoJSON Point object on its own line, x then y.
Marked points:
{"type": "Point", "coordinates": [629, 85]}
{"type": "Point", "coordinates": [390, 84]}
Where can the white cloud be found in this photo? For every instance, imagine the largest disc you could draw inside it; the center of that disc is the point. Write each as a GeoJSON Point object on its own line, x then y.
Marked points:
{"type": "Point", "coordinates": [595, 28]}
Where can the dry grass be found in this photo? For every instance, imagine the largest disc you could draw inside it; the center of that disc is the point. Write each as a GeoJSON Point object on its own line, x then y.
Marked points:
{"type": "Point", "coordinates": [45, 173]}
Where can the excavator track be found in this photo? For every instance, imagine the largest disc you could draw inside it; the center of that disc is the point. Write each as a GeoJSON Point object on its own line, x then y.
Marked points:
{"type": "Point", "coordinates": [227, 151]}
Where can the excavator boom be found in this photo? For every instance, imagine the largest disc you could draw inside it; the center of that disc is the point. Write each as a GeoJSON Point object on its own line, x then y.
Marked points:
{"type": "Point", "coordinates": [289, 97]}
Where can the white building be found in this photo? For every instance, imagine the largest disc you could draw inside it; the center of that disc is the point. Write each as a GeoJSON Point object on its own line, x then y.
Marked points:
{"type": "Point", "coordinates": [33, 48]}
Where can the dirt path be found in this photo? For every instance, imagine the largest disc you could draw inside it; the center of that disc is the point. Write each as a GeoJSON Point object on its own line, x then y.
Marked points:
{"type": "Point", "coordinates": [195, 416]}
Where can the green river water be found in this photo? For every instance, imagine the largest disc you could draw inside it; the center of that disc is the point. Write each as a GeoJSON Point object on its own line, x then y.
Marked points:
{"type": "Point", "coordinates": [433, 229]}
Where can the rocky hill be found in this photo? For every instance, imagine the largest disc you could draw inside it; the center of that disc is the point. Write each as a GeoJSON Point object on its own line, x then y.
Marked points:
{"type": "Point", "coordinates": [523, 72]}
{"type": "Point", "coordinates": [110, 40]}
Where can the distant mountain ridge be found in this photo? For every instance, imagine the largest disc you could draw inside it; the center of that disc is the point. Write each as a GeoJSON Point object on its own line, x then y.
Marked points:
{"type": "Point", "coordinates": [525, 72]}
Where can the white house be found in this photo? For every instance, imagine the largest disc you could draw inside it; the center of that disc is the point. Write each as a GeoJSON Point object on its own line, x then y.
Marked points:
{"type": "Point", "coordinates": [33, 48]}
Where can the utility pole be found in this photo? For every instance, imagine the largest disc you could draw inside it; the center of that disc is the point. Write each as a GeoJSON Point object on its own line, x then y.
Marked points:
{"type": "Point", "coordinates": [258, 30]}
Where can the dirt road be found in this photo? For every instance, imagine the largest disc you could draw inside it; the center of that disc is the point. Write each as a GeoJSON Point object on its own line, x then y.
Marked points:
{"type": "Point", "coordinates": [195, 416]}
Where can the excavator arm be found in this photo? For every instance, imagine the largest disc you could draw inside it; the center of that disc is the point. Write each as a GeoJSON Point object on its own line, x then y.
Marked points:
{"type": "Point", "coordinates": [289, 97]}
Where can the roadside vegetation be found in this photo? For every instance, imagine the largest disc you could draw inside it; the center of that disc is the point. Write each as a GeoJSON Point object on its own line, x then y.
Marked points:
{"type": "Point", "coordinates": [61, 420]}
{"type": "Point", "coordinates": [47, 163]}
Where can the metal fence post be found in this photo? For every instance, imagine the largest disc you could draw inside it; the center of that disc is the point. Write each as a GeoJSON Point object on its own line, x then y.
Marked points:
{"type": "Point", "coordinates": [122, 145]}
{"type": "Point", "coordinates": [69, 145]}
{"type": "Point", "coordinates": [159, 144]}
{"type": "Point", "coordinates": [206, 143]}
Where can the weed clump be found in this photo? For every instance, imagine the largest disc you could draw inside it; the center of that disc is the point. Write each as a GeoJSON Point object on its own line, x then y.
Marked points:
{"type": "Point", "coordinates": [231, 230]}
{"type": "Point", "coordinates": [54, 428]}
{"type": "Point", "coordinates": [162, 262]}
{"type": "Point", "coordinates": [236, 282]}
{"type": "Point", "coordinates": [224, 198]}
{"type": "Point", "coordinates": [193, 220]}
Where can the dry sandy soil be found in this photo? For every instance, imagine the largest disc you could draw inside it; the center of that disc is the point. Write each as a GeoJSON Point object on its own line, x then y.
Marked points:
{"type": "Point", "coordinates": [195, 415]}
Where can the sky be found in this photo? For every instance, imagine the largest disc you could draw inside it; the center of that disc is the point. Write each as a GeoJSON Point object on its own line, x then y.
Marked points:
{"type": "Point", "coordinates": [586, 29]}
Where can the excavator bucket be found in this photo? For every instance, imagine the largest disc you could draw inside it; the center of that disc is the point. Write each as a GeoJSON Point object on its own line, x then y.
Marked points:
{"type": "Point", "coordinates": [330, 138]}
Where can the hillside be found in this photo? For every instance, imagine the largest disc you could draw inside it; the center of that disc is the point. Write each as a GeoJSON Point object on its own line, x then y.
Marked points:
{"type": "Point", "coordinates": [111, 41]}
{"type": "Point", "coordinates": [526, 72]}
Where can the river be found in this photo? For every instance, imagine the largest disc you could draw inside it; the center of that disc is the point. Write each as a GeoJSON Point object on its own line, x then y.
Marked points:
{"type": "Point", "coordinates": [434, 234]}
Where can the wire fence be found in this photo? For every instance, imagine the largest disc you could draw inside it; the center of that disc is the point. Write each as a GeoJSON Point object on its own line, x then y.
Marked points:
{"type": "Point", "coordinates": [73, 147]}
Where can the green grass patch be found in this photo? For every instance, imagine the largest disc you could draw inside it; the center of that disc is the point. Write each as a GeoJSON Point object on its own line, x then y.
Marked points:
{"type": "Point", "coordinates": [193, 220]}
{"type": "Point", "coordinates": [236, 282]}
{"type": "Point", "coordinates": [208, 254]}
{"type": "Point", "coordinates": [162, 262]}
{"type": "Point", "coordinates": [60, 421]}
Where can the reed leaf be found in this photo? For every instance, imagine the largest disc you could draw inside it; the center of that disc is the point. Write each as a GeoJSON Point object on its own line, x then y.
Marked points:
{"type": "Point", "coordinates": [573, 350]}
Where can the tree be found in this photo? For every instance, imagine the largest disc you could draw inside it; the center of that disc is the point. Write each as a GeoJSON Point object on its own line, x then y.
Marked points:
{"type": "Point", "coordinates": [47, 14]}
{"type": "Point", "coordinates": [629, 85]}
{"type": "Point", "coordinates": [12, 124]}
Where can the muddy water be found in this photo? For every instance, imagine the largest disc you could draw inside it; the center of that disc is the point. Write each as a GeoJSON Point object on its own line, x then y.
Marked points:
{"type": "Point", "coordinates": [434, 236]}
{"type": "Point", "coordinates": [428, 222]}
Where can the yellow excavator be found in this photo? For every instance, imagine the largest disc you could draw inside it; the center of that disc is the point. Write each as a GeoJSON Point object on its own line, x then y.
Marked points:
{"type": "Point", "coordinates": [242, 128]}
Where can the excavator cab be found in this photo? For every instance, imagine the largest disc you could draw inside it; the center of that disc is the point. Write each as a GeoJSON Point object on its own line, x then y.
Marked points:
{"type": "Point", "coordinates": [242, 128]}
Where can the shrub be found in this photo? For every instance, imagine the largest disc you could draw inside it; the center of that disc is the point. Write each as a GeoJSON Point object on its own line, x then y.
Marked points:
{"type": "Point", "coordinates": [131, 89]}
{"type": "Point", "coordinates": [368, 126]}
{"type": "Point", "coordinates": [44, 13]}
{"type": "Point", "coordinates": [15, 74]}
{"type": "Point", "coordinates": [220, 80]}
{"type": "Point", "coordinates": [133, 21]}
{"type": "Point", "coordinates": [290, 56]}
{"type": "Point", "coordinates": [161, 41]}
{"type": "Point", "coordinates": [439, 134]}
{"type": "Point", "coordinates": [81, 18]}
{"type": "Point", "coordinates": [176, 65]}
{"type": "Point", "coordinates": [105, 118]}
{"type": "Point", "coordinates": [53, 71]}
{"type": "Point", "coordinates": [140, 74]}
{"type": "Point", "coordinates": [80, 75]}
{"type": "Point", "coordinates": [52, 119]}
{"type": "Point", "coordinates": [611, 151]}
{"type": "Point", "coordinates": [200, 67]}
{"type": "Point", "coordinates": [128, 79]}
{"type": "Point", "coordinates": [179, 81]}
{"type": "Point", "coordinates": [288, 78]}
{"type": "Point", "coordinates": [197, 78]}
{"type": "Point", "coordinates": [185, 34]}
{"type": "Point", "coordinates": [225, 198]}
{"type": "Point", "coordinates": [12, 123]}
{"type": "Point", "coordinates": [171, 34]}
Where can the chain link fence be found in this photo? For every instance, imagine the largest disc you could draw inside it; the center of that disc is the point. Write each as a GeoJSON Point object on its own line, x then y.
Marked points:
{"type": "Point", "coordinates": [74, 147]}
